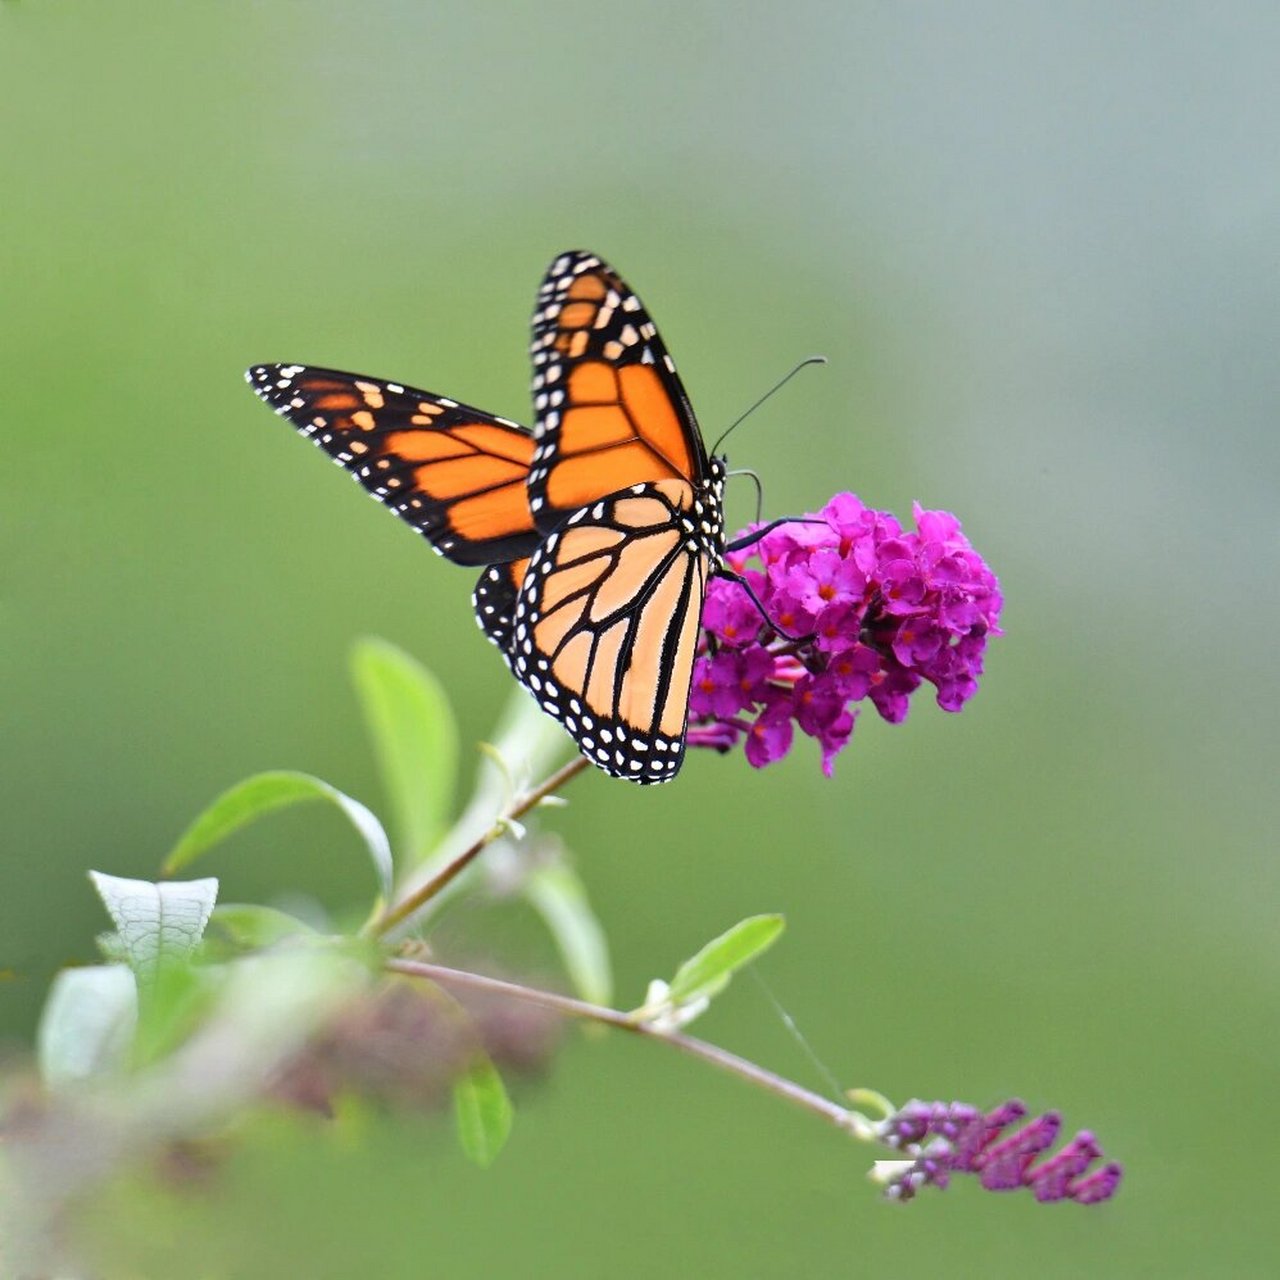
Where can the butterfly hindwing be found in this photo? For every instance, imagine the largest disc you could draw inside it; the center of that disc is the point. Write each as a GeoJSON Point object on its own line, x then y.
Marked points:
{"type": "Point", "coordinates": [456, 474]}
{"type": "Point", "coordinates": [494, 602]}
{"type": "Point", "coordinates": [610, 409]}
{"type": "Point", "coordinates": [606, 627]}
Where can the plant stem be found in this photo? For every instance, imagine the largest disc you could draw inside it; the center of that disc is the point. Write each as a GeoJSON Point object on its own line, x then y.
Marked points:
{"type": "Point", "coordinates": [423, 894]}
{"type": "Point", "coordinates": [847, 1121]}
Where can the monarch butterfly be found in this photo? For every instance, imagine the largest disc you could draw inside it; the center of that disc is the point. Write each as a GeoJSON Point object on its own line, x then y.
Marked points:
{"type": "Point", "coordinates": [598, 531]}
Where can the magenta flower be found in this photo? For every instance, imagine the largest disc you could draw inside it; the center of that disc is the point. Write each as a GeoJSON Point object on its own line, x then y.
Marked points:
{"type": "Point", "coordinates": [730, 681]}
{"type": "Point", "coordinates": [824, 579]}
{"type": "Point", "coordinates": [732, 618]}
{"type": "Point", "coordinates": [769, 738]}
{"type": "Point", "coordinates": [858, 609]}
{"type": "Point", "coordinates": [943, 1138]}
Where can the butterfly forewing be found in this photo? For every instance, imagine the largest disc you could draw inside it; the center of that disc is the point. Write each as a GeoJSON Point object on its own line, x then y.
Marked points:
{"type": "Point", "coordinates": [610, 409]}
{"type": "Point", "coordinates": [606, 627]}
{"type": "Point", "coordinates": [455, 473]}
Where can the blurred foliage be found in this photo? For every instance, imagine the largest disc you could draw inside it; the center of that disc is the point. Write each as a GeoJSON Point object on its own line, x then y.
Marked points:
{"type": "Point", "coordinates": [158, 1057]}
{"type": "Point", "coordinates": [1038, 244]}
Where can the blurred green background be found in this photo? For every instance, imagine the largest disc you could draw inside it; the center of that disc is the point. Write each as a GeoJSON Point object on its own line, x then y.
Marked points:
{"type": "Point", "coordinates": [1039, 244]}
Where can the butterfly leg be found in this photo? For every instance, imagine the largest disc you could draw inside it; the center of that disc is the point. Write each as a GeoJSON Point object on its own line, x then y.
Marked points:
{"type": "Point", "coordinates": [730, 576]}
{"type": "Point", "coordinates": [756, 534]}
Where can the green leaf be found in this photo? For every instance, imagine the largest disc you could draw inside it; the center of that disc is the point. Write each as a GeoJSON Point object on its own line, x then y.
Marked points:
{"type": "Point", "coordinates": [528, 743]}
{"type": "Point", "coordinates": [87, 1024]}
{"type": "Point", "coordinates": [530, 740]}
{"type": "Point", "coordinates": [483, 1112]}
{"type": "Point", "coordinates": [173, 1006]}
{"type": "Point", "coordinates": [708, 973]}
{"type": "Point", "coordinates": [250, 927]}
{"type": "Point", "coordinates": [415, 740]}
{"type": "Point", "coordinates": [264, 793]}
{"type": "Point", "coordinates": [156, 922]}
{"type": "Point", "coordinates": [560, 898]}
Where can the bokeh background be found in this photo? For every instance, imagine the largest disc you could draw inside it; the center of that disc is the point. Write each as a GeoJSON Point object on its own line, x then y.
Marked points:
{"type": "Point", "coordinates": [1040, 245]}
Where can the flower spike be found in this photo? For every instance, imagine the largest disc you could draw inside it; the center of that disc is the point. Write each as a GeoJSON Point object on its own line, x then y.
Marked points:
{"type": "Point", "coordinates": [946, 1138]}
{"type": "Point", "coordinates": [855, 608]}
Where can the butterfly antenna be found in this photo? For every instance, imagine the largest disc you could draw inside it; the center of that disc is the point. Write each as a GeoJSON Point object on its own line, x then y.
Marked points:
{"type": "Point", "coordinates": [777, 386]}
{"type": "Point", "coordinates": [755, 480]}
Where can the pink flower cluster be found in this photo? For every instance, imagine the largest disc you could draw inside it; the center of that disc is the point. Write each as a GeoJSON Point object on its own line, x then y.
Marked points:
{"type": "Point", "coordinates": [953, 1137]}
{"type": "Point", "coordinates": [857, 608]}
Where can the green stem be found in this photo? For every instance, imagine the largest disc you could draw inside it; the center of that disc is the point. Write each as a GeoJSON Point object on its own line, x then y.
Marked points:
{"type": "Point", "coordinates": [847, 1121]}
{"type": "Point", "coordinates": [423, 894]}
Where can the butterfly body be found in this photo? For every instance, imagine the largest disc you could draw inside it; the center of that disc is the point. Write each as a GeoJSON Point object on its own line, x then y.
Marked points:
{"type": "Point", "coordinates": [598, 532]}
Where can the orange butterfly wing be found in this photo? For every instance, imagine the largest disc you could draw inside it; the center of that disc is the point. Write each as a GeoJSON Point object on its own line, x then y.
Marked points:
{"type": "Point", "coordinates": [610, 409]}
{"type": "Point", "coordinates": [456, 474]}
{"type": "Point", "coordinates": [606, 627]}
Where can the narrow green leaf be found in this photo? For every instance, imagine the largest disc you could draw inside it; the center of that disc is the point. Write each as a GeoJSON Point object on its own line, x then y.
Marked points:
{"type": "Point", "coordinates": [264, 793]}
{"type": "Point", "coordinates": [707, 973]}
{"type": "Point", "coordinates": [248, 926]}
{"type": "Point", "coordinates": [156, 922]}
{"type": "Point", "coordinates": [483, 1112]}
{"type": "Point", "coordinates": [415, 740]}
{"type": "Point", "coordinates": [527, 745]}
{"type": "Point", "coordinates": [560, 898]}
{"type": "Point", "coordinates": [87, 1024]}
{"type": "Point", "coordinates": [529, 740]}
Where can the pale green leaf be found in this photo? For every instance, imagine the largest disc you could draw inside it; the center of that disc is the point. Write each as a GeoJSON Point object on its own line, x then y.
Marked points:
{"type": "Point", "coordinates": [250, 927]}
{"type": "Point", "coordinates": [531, 741]}
{"type": "Point", "coordinates": [707, 973]}
{"type": "Point", "coordinates": [264, 793]}
{"type": "Point", "coordinates": [528, 744]}
{"type": "Point", "coordinates": [156, 922]}
{"type": "Point", "coordinates": [172, 1004]}
{"type": "Point", "coordinates": [87, 1024]}
{"type": "Point", "coordinates": [415, 740]}
{"type": "Point", "coordinates": [560, 898]}
{"type": "Point", "coordinates": [483, 1112]}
